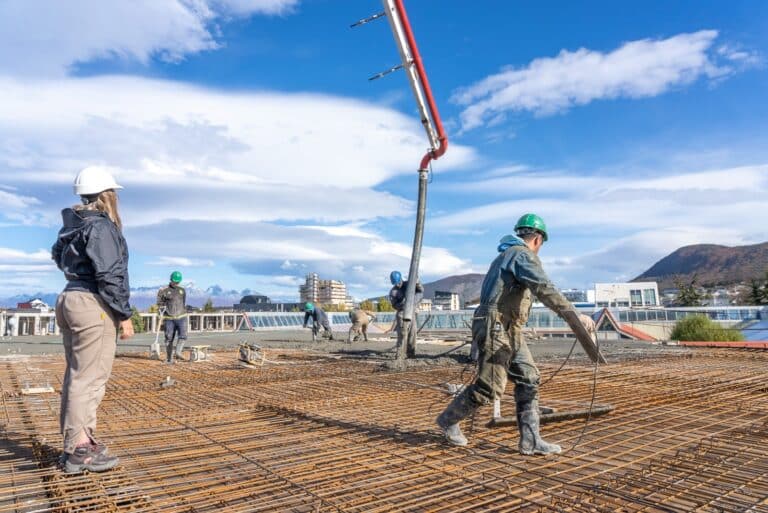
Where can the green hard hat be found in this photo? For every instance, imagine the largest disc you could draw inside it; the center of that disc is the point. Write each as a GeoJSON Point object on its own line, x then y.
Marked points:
{"type": "Point", "coordinates": [176, 277]}
{"type": "Point", "coordinates": [309, 307]}
{"type": "Point", "coordinates": [532, 221]}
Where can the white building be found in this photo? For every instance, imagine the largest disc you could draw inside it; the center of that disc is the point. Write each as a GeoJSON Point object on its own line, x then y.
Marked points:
{"type": "Point", "coordinates": [446, 300]}
{"type": "Point", "coordinates": [323, 292]}
{"type": "Point", "coordinates": [425, 305]}
{"type": "Point", "coordinates": [630, 295]}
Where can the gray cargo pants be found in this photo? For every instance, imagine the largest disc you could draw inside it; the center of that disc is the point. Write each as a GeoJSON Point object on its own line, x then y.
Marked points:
{"type": "Point", "coordinates": [89, 330]}
{"type": "Point", "coordinates": [399, 327]}
{"type": "Point", "coordinates": [502, 357]}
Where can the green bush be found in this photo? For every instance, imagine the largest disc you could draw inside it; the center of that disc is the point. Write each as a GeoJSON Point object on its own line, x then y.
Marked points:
{"type": "Point", "coordinates": [384, 305]}
{"type": "Point", "coordinates": [702, 328]}
{"type": "Point", "coordinates": [138, 323]}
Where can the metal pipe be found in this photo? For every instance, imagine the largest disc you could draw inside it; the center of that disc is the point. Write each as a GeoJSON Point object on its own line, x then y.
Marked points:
{"type": "Point", "coordinates": [409, 52]}
{"type": "Point", "coordinates": [442, 138]}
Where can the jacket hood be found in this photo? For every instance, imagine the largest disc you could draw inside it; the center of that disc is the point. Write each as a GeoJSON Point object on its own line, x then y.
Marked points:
{"type": "Point", "coordinates": [72, 218]}
{"type": "Point", "coordinates": [509, 241]}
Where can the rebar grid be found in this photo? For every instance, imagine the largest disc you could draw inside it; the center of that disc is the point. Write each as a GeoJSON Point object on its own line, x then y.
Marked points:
{"type": "Point", "coordinates": [320, 434]}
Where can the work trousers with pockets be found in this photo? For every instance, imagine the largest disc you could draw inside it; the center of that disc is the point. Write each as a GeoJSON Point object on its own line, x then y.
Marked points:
{"type": "Point", "coordinates": [358, 328]}
{"type": "Point", "coordinates": [502, 356]}
{"type": "Point", "coordinates": [174, 328]}
{"type": "Point", "coordinates": [89, 330]}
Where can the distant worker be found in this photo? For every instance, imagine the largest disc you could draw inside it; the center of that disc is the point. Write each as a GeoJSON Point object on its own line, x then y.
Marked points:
{"type": "Point", "coordinates": [360, 319]}
{"type": "Point", "coordinates": [92, 252]}
{"type": "Point", "coordinates": [397, 299]}
{"type": "Point", "coordinates": [319, 318]}
{"type": "Point", "coordinates": [172, 301]}
{"type": "Point", "coordinates": [497, 330]}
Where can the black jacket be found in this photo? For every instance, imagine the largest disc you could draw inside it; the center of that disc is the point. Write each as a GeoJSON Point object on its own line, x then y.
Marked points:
{"type": "Point", "coordinates": [317, 315]}
{"type": "Point", "coordinates": [397, 295]}
{"type": "Point", "coordinates": [94, 257]}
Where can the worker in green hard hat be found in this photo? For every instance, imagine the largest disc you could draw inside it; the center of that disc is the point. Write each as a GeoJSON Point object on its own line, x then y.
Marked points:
{"type": "Point", "coordinates": [319, 319]}
{"type": "Point", "coordinates": [172, 302]}
{"type": "Point", "coordinates": [506, 296]}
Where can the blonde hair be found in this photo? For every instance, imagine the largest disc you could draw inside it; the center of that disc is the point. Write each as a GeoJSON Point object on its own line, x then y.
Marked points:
{"type": "Point", "coordinates": [106, 202]}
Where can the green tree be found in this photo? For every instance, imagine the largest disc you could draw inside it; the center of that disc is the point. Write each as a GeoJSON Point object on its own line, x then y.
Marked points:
{"type": "Point", "coordinates": [688, 293]}
{"type": "Point", "coordinates": [701, 328]}
{"type": "Point", "coordinates": [136, 320]}
{"type": "Point", "coordinates": [334, 307]}
{"type": "Point", "coordinates": [367, 305]}
{"type": "Point", "coordinates": [758, 293]}
{"type": "Point", "coordinates": [384, 305]}
{"type": "Point", "coordinates": [208, 306]}
{"type": "Point", "coordinates": [153, 309]}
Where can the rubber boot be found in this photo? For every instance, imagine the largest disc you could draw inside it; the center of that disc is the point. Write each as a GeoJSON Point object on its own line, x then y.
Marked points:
{"type": "Point", "coordinates": [179, 349]}
{"type": "Point", "coordinates": [531, 442]}
{"type": "Point", "coordinates": [169, 352]}
{"type": "Point", "coordinates": [460, 408]}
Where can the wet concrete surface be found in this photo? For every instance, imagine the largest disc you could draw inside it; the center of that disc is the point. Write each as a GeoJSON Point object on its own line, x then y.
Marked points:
{"type": "Point", "coordinates": [377, 348]}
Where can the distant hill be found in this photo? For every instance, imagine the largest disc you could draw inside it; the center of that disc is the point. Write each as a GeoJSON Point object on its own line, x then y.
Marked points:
{"type": "Point", "coordinates": [467, 285]}
{"type": "Point", "coordinates": [143, 297]}
{"type": "Point", "coordinates": [713, 265]}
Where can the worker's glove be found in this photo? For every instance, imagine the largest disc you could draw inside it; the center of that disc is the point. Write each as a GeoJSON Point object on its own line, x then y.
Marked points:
{"type": "Point", "coordinates": [587, 322]}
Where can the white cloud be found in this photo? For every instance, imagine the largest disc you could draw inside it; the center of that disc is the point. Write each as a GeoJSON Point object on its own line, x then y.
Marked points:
{"type": "Point", "coordinates": [646, 217]}
{"type": "Point", "coordinates": [628, 257]}
{"type": "Point", "coordinates": [637, 69]}
{"type": "Point", "coordinates": [247, 156]}
{"type": "Point", "coordinates": [707, 198]}
{"type": "Point", "coordinates": [49, 37]}
{"type": "Point", "coordinates": [176, 261]}
{"type": "Point", "coordinates": [15, 256]}
{"type": "Point", "coordinates": [18, 209]}
{"type": "Point", "coordinates": [264, 249]}
{"type": "Point", "coordinates": [22, 271]}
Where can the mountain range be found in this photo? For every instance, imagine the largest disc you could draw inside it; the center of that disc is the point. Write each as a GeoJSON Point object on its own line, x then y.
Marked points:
{"type": "Point", "coordinates": [143, 297]}
{"type": "Point", "coordinates": [467, 286]}
{"type": "Point", "coordinates": [712, 265]}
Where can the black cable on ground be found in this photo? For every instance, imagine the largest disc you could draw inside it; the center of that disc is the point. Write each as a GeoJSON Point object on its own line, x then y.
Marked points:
{"type": "Point", "coordinates": [591, 402]}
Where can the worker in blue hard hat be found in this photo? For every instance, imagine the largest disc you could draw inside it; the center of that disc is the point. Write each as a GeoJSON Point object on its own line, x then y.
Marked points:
{"type": "Point", "coordinates": [397, 299]}
{"type": "Point", "coordinates": [506, 296]}
{"type": "Point", "coordinates": [319, 318]}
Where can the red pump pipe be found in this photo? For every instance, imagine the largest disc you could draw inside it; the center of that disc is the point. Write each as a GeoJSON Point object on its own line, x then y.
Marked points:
{"type": "Point", "coordinates": [434, 153]}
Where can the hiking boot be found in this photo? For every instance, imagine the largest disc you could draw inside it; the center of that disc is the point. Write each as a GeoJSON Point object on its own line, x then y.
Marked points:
{"type": "Point", "coordinates": [87, 458]}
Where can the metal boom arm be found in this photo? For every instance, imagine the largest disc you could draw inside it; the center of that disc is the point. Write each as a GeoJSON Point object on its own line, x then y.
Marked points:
{"type": "Point", "coordinates": [430, 119]}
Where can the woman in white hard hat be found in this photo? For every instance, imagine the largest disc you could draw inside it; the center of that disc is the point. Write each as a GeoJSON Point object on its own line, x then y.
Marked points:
{"type": "Point", "coordinates": [92, 253]}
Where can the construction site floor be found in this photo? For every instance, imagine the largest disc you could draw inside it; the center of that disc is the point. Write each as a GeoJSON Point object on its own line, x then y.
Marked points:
{"type": "Point", "coordinates": [313, 431]}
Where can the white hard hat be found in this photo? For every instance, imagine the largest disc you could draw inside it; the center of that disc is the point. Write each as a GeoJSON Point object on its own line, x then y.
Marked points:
{"type": "Point", "coordinates": [93, 180]}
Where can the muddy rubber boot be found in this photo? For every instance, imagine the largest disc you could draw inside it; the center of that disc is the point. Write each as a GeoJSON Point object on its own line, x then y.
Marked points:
{"type": "Point", "coordinates": [169, 352]}
{"type": "Point", "coordinates": [87, 458]}
{"type": "Point", "coordinates": [460, 408]}
{"type": "Point", "coordinates": [179, 349]}
{"type": "Point", "coordinates": [531, 442]}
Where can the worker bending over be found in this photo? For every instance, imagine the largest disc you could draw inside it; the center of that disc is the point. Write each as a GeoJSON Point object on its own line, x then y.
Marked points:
{"type": "Point", "coordinates": [319, 318]}
{"type": "Point", "coordinates": [360, 319]}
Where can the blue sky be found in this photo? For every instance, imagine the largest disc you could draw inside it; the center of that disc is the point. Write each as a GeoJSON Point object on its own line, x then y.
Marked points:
{"type": "Point", "coordinates": [253, 149]}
